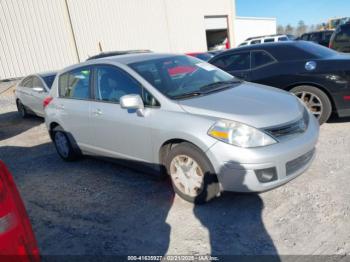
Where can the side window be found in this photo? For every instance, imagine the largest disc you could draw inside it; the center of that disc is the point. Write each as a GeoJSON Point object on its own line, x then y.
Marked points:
{"type": "Point", "coordinates": [75, 84]}
{"type": "Point", "coordinates": [111, 84]}
{"type": "Point", "coordinates": [282, 39]}
{"type": "Point", "coordinates": [269, 40]}
{"type": "Point", "coordinates": [234, 62]}
{"type": "Point", "coordinates": [254, 42]}
{"type": "Point", "coordinates": [27, 82]}
{"type": "Point", "coordinates": [343, 34]}
{"type": "Point", "coordinates": [305, 37]}
{"type": "Point", "coordinates": [37, 82]}
{"type": "Point", "coordinates": [316, 37]}
{"type": "Point", "coordinates": [261, 58]}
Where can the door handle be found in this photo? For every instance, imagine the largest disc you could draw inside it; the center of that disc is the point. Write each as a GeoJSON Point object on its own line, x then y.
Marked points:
{"type": "Point", "coordinates": [98, 112]}
{"type": "Point", "coordinates": [60, 107]}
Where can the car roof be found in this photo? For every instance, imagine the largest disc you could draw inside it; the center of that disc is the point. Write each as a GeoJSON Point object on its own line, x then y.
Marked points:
{"type": "Point", "coordinates": [115, 53]}
{"type": "Point", "coordinates": [265, 46]}
{"type": "Point", "coordinates": [49, 73]}
{"type": "Point", "coordinates": [265, 36]}
{"type": "Point", "coordinates": [134, 58]}
{"type": "Point", "coordinates": [319, 31]}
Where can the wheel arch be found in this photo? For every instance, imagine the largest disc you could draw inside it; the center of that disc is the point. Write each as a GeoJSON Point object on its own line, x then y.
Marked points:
{"type": "Point", "coordinates": [322, 88]}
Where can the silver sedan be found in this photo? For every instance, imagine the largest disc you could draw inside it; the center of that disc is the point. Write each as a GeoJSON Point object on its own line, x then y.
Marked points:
{"type": "Point", "coordinates": [206, 129]}
{"type": "Point", "coordinates": [31, 92]}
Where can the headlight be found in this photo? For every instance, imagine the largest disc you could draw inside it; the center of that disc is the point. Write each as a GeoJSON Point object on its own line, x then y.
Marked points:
{"type": "Point", "coordinates": [239, 134]}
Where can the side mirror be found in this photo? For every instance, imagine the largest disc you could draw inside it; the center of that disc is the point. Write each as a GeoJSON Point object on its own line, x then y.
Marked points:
{"type": "Point", "coordinates": [131, 102]}
{"type": "Point", "coordinates": [38, 89]}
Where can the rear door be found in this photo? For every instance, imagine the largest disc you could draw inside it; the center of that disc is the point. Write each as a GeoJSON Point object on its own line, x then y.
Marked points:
{"type": "Point", "coordinates": [236, 64]}
{"type": "Point", "coordinates": [37, 96]}
{"type": "Point", "coordinates": [118, 132]}
{"type": "Point", "coordinates": [73, 105]}
{"type": "Point", "coordinates": [24, 91]}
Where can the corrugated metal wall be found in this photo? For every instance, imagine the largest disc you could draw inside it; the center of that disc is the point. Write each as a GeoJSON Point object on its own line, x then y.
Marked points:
{"type": "Point", "coordinates": [42, 35]}
{"type": "Point", "coordinates": [34, 37]}
{"type": "Point", "coordinates": [159, 25]}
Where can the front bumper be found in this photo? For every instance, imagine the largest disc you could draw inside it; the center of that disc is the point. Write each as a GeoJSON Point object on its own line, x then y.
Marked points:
{"type": "Point", "coordinates": [236, 166]}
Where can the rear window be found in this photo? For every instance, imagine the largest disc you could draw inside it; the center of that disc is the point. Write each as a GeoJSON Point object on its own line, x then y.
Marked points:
{"type": "Point", "coordinates": [315, 50]}
{"type": "Point", "coordinates": [75, 84]}
{"type": "Point", "coordinates": [49, 80]}
{"type": "Point", "coordinates": [254, 42]}
{"type": "Point", "coordinates": [282, 39]}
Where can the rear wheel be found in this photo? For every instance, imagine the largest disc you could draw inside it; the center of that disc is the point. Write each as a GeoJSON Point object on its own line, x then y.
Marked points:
{"type": "Point", "coordinates": [192, 175]}
{"type": "Point", "coordinates": [21, 109]}
{"type": "Point", "coordinates": [315, 100]}
{"type": "Point", "coordinates": [64, 146]}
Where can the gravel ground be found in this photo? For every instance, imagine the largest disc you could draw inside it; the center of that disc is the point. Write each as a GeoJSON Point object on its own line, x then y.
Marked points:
{"type": "Point", "coordinates": [97, 207]}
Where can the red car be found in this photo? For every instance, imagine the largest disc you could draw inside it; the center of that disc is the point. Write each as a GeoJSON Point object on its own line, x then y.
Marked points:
{"type": "Point", "coordinates": [17, 240]}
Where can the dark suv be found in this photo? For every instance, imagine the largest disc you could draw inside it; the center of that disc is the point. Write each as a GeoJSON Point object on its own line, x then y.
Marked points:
{"type": "Point", "coordinates": [340, 40]}
{"type": "Point", "coordinates": [319, 37]}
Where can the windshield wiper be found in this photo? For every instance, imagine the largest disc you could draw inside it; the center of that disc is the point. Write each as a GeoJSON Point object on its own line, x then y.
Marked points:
{"type": "Point", "coordinates": [188, 95]}
{"type": "Point", "coordinates": [219, 85]}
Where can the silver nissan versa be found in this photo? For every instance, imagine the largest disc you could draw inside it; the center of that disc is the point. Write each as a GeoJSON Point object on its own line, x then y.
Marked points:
{"type": "Point", "coordinates": [210, 132]}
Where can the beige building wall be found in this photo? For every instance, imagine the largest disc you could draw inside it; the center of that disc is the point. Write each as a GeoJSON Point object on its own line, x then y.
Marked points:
{"type": "Point", "coordinates": [35, 36]}
{"type": "Point", "coordinates": [158, 25]}
{"type": "Point", "coordinates": [44, 35]}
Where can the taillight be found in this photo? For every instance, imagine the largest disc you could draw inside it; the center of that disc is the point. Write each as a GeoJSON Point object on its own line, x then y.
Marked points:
{"type": "Point", "coordinates": [17, 240]}
{"type": "Point", "coordinates": [47, 101]}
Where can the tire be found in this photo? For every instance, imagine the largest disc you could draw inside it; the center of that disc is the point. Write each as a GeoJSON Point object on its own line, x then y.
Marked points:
{"type": "Point", "coordinates": [207, 186]}
{"type": "Point", "coordinates": [325, 104]}
{"type": "Point", "coordinates": [21, 109]}
{"type": "Point", "coordinates": [64, 146]}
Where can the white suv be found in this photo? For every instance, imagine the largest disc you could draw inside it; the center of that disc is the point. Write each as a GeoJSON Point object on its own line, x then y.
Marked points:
{"type": "Point", "coordinates": [267, 39]}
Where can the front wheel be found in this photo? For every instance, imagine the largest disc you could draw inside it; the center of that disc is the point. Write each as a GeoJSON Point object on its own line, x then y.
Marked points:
{"type": "Point", "coordinates": [192, 175]}
{"type": "Point", "coordinates": [315, 100]}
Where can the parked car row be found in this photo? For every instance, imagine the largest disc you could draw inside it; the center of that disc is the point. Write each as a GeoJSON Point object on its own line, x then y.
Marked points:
{"type": "Point", "coordinates": [337, 39]}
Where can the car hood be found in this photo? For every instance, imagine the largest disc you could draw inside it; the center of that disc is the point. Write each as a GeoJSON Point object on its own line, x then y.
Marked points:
{"type": "Point", "coordinates": [252, 104]}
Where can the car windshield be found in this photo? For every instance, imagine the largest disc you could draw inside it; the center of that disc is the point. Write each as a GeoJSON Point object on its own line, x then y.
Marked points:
{"type": "Point", "coordinates": [49, 80]}
{"type": "Point", "coordinates": [316, 50]}
{"type": "Point", "coordinates": [204, 56]}
{"type": "Point", "coordinates": [180, 77]}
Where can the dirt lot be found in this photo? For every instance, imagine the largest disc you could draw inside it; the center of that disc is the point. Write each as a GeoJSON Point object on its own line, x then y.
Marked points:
{"type": "Point", "coordinates": [97, 207]}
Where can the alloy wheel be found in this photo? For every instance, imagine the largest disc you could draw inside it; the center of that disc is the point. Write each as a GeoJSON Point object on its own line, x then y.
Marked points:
{"type": "Point", "coordinates": [312, 102]}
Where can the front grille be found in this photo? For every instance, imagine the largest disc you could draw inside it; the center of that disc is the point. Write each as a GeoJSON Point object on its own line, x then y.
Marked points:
{"type": "Point", "coordinates": [290, 129]}
{"type": "Point", "coordinates": [298, 163]}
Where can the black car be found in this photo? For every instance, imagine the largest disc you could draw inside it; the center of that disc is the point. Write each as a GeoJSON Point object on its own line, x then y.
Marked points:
{"type": "Point", "coordinates": [316, 74]}
{"type": "Point", "coordinates": [319, 37]}
{"type": "Point", "coordinates": [340, 40]}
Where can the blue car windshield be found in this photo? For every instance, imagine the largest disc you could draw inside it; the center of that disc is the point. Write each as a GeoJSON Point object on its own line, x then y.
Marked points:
{"type": "Point", "coordinates": [180, 76]}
